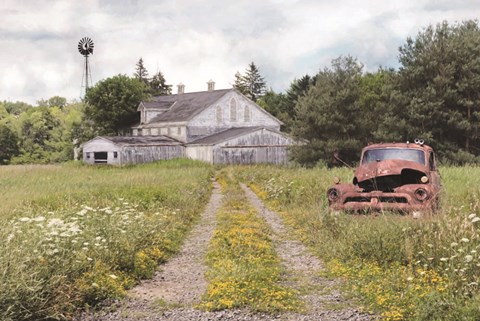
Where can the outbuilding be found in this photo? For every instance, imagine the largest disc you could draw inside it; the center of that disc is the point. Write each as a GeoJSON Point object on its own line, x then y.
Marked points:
{"type": "Point", "coordinates": [121, 150]}
{"type": "Point", "coordinates": [244, 145]}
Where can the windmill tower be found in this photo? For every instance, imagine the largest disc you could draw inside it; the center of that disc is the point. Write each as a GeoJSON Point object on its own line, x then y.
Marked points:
{"type": "Point", "coordinates": [85, 47]}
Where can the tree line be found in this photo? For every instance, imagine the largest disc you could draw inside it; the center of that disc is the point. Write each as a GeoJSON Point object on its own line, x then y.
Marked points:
{"type": "Point", "coordinates": [433, 95]}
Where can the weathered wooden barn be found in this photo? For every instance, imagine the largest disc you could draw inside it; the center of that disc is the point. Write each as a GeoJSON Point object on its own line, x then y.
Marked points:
{"type": "Point", "coordinates": [243, 145]}
{"type": "Point", "coordinates": [122, 150]}
{"type": "Point", "coordinates": [216, 126]}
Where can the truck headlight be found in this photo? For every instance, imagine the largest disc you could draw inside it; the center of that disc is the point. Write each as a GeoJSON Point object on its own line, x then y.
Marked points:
{"type": "Point", "coordinates": [333, 194]}
{"type": "Point", "coordinates": [421, 194]}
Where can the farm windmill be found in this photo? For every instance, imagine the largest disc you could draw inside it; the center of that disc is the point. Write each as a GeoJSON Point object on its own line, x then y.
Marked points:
{"type": "Point", "coordinates": [85, 47]}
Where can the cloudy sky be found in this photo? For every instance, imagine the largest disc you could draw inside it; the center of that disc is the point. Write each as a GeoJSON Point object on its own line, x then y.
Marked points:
{"type": "Point", "coordinates": [192, 41]}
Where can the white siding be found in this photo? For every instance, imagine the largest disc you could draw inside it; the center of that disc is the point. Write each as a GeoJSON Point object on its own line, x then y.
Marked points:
{"type": "Point", "coordinates": [209, 122]}
{"type": "Point", "coordinates": [101, 145]}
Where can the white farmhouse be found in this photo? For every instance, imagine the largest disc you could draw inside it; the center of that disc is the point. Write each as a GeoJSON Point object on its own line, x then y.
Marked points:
{"type": "Point", "coordinates": [216, 126]}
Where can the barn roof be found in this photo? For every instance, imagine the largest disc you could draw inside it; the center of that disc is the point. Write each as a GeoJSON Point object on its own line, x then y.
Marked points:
{"type": "Point", "coordinates": [182, 107]}
{"type": "Point", "coordinates": [227, 135]}
{"type": "Point", "coordinates": [141, 140]}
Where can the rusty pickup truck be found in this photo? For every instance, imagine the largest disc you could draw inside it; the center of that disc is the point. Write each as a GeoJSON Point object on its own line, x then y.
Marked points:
{"type": "Point", "coordinates": [391, 176]}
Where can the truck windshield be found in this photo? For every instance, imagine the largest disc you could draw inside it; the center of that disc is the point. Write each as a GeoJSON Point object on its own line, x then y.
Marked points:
{"type": "Point", "coordinates": [374, 155]}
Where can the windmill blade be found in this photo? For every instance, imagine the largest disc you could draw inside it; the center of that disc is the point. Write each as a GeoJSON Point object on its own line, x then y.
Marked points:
{"type": "Point", "coordinates": [85, 46]}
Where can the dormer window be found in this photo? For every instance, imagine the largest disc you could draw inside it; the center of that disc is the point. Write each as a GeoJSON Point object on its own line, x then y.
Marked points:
{"type": "Point", "coordinates": [233, 110]}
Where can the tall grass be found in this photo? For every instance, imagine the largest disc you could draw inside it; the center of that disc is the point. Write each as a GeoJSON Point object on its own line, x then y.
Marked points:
{"type": "Point", "coordinates": [434, 260]}
{"type": "Point", "coordinates": [75, 235]}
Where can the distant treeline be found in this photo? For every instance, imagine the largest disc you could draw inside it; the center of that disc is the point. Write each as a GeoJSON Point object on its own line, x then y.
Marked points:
{"type": "Point", "coordinates": [434, 95]}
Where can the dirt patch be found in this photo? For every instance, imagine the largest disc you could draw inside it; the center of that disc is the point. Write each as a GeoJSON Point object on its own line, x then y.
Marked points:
{"type": "Point", "coordinates": [323, 300]}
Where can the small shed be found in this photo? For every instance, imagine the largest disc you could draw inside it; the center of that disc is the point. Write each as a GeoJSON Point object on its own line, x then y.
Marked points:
{"type": "Point", "coordinates": [241, 145]}
{"type": "Point", "coordinates": [121, 150]}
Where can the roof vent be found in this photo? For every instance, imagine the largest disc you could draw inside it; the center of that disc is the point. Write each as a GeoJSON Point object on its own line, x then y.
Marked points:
{"type": "Point", "coordinates": [181, 88]}
{"type": "Point", "coordinates": [211, 85]}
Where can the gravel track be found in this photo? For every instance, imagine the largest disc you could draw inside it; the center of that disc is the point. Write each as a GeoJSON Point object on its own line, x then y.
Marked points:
{"type": "Point", "coordinates": [303, 273]}
{"type": "Point", "coordinates": [179, 285]}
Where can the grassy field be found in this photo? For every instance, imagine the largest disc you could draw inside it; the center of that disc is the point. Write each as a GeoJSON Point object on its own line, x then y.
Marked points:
{"type": "Point", "coordinates": [401, 268]}
{"type": "Point", "coordinates": [74, 235]}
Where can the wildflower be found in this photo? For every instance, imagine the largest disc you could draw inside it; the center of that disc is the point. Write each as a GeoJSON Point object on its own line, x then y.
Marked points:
{"type": "Point", "coordinates": [454, 244]}
{"type": "Point", "coordinates": [88, 208]}
{"type": "Point", "coordinates": [38, 219]}
{"type": "Point", "coordinates": [108, 211]}
{"type": "Point", "coordinates": [473, 251]}
{"type": "Point", "coordinates": [409, 278]}
{"type": "Point", "coordinates": [472, 283]}
{"type": "Point", "coordinates": [464, 240]}
{"type": "Point", "coordinates": [82, 212]}
{"type": "Point", "coordinates": [95, 285]}
{"type": "Point", "coordinates": [476, 219]}
{"type": "Point", "coordinates": [443, 259]}
{"type": "Point", "coordinates": [24, 219]}
{"type": "Point", "coordinates": [89, 259]}
{"type": "Point", "coordinates": [468, 258]}
{"type": "Point", "coordinates": [113, 276]}
{"type": "Point", "coordinates": [430, 245]}
{"type": "Point", "coordinates": [10, 237]}
{"type": "Point", "coordinates": [51, 213]}
{"type": "Point", "coordinates": [471, 216]}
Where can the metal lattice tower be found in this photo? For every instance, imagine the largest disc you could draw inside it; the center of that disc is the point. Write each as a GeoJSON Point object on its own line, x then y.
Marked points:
{"type": "Point", "coordinates": [85, 47]}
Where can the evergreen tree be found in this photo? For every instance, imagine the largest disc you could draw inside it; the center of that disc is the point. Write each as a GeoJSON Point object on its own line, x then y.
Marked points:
{"type": "Point", "coordinates": [438, 92]}
{"type": "Point", "coordinates": [141, 72]}
{"type": "Point", "coordinates": [252, 84]}
{"type": "Point", "coordinates": [158, 85]}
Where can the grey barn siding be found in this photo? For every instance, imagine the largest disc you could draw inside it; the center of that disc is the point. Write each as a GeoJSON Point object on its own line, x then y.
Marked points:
{"type": "Point", "coordinates": [146, 154]}
{"type": "Point", "coordinates": [250, 155]}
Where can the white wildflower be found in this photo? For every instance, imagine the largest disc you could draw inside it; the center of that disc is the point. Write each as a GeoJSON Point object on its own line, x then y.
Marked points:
{"type": "Point", "coordinates": [443, 259]}
{"type": "Point", "coordinates": [88, 208]}
{"type": "Point", "coordinates": [113, 276]}
{"type": "Point", "coordinates": [51, 213]}
{"type": "Point", "coordinates": [85, 248]}
{"type": "Point", "coordinates": [82, 212]}
{"type": "Point", "coordinates": [24, 219]}
{"type": "Point", "coordinates": [430, 245]}
{"type": "Point", "coordinates": [108, 211]}
{"type": "Point", "coordinates": [464, 240]}
{"type": "Point", "coordinates": [454, 244]}
{"type": "Point", "coordinates": [86, 243]}
{"type": "Point", "coordinates": [38, 219]}
{"type": "Point", "coordinates": [476, 219]}
{"type": "Point", "coordinates": [471, 216]}
{"type": "Point", "coordinates": [472, 284]}
{"type": "Point", "coordinates": [98, 238]}
{"type": "Point", "coordinates": [409, 278]}
{"type": "Point", "coordinates": [473, 251]}
{"type": "Point", "coordinates": [468, 258]}
{"type": "Point", "coordinates": [95, 285]}
{"type": "Point", "coordinates": [89, 259]}
{"type": "Point", "coordinates": [10, 237]}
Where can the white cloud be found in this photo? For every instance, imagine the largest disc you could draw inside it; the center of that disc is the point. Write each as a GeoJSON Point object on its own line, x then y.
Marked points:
{"type": "Point", "coordinates": [192, 41]}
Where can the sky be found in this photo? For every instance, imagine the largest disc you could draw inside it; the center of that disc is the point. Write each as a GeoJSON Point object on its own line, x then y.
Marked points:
{"type": "Point", "coordinates": [193, 41]}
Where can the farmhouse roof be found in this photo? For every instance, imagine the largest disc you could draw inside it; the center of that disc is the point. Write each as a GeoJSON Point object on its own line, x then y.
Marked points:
{"type": "Point", "coordinates": [141, 140]}
{"type": "Point", "coordinates": [228, 134]}
{"type": "Point", "coordinates": [182, 107]}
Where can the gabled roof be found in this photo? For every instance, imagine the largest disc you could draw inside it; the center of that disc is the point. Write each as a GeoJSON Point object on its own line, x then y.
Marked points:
{"type": "Point", "coordinates": [228, 134]}
{"type": "Point", "coordinates": [139, 140]}
{"type": "Point", "coordinates": [183, 107]}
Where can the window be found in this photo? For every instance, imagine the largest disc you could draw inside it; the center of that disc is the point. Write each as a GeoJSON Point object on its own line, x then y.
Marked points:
{"type": "Point", "coordinates": [115, 154]}
{"type": "Point", "coordinates": [219, 114]}
{"type": "Point", "coordinates": [88, 155]}
{"type": "Point", "coordinates": [246, 114]}
{"type": "Point", "coordinates": [169, 131]}
{"type": "Point", "coordinates": [233, 109]}
{"type": "Point", "coordinates": [380, 154]}
{"type": "Point", "coordinates": [179, 130]}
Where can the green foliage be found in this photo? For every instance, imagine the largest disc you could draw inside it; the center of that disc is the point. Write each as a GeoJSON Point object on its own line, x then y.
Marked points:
{"type": "Point", "coordinates": [141, 72]}
{"type": "Point", "coordinates": [282, 105]}
{"type": "Point", "coordinates": [329, 117]}
{"type": "Point", "coordinates": [8, 144]}
{"type": "Point", "coordinates": [112, 104]}
{"type": "Point", "coordinates": [251, 84]}
{"type": "Point", "coordinates": [439, 81]}
{"type": "Point", "coordinates": [158, 85]}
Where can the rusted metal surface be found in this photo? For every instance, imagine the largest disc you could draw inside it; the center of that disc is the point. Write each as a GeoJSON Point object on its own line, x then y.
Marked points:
{"type": "Point", "coordinates": [395, 176]}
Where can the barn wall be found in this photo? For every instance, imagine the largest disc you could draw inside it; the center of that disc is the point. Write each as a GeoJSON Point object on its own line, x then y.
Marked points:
{"type": "Point", "coordinates": [218, 117]}
{"type": "Point", "coordinates": [147, 154]}
{"type": "Point", "coordinates": [203, 153]}
{"type": "Point", "coordinates": [101, 145]}
{"type": "Point", "coordinates": [250, 155]}
{"type": "Point", "coordinates": [262, 146]}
